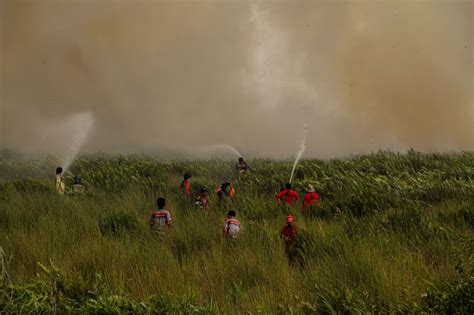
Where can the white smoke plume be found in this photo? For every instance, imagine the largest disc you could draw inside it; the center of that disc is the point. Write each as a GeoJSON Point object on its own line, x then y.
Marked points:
{"type": "Point", "coordinates": [364, 75]}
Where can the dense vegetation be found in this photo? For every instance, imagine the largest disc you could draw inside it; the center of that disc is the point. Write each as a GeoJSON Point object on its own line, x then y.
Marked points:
{"type": "Point", "coordinates": [392, 233]}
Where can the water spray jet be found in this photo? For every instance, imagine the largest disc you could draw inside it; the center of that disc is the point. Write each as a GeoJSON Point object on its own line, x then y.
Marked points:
{"type": "Point", "coordinates": [300, 152]}
{"type": "Point", "coordinates": [228, 147]}
{"type": "Point", "coordinates": [218, 147]}
{"type": "Point", "coordinates": [79, 127]}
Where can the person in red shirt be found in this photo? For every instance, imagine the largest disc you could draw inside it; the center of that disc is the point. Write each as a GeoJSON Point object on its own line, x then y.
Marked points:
{"type": "Point", "coordinates": [185, 185]}
{"type": "Point", "coordinates": [311, 198]}
{"type": "Point", "coordinates": [288, 195]}
{"type": "Point", "coordinates": [288, 233]}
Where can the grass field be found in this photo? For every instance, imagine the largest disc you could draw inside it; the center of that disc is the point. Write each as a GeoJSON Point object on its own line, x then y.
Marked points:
{"type": "Point", "coordinates": [392, 233]}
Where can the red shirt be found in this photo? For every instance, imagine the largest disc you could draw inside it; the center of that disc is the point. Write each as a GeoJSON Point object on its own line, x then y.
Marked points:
{"type": "Point", "coordinates": [290, 196]}
{"type": "Point", "coordinates": [310, 198]}
{"type": "Point", "coordinates": [289, 233]}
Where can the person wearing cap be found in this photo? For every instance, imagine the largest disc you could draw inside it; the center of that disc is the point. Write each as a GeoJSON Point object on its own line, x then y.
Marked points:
{"type": "Point", "coordinates": [288, 195]}
{"type": "Point", "coordinates": [185, 185]}
{"type": "Point", "coordinates": [202, 199]}
{"type": "Point", "coordinates": [311, 198]}
{"type": "Point", "coordinates": [232, 226]}
{"type": "Point", "coordinates": [160, 220]}
{"type": "Point", "coordinates": [288, 234]}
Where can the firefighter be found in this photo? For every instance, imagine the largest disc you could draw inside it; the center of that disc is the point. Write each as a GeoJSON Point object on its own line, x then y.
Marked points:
{"type": "Point", "coordinates": [225, 193]}
{"type": "Point", "coordinates": [60, 186]}
{"type": "Point", "coordinates": [288, 234]}
{"type": "Point", "coordinates": [185, 186]}
{"type": "Point", "coordinates": [288, 195]}
{"type": "Point", "coordinates": [79, 187]}
{"type": "Point", "coordinates": [160, 220]}
{"type": "Point", "coordinates": [242, 166]}
{"type": "Point", "coordinates": [202, 199]}
{"type": "Point", "coordinates": [311, 198]}
{"type": "Point", "coordinates": [232, 226]}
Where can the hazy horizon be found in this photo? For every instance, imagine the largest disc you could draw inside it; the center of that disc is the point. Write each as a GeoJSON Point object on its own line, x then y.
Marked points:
{"type": "Point", "coordinates": [149, 76]}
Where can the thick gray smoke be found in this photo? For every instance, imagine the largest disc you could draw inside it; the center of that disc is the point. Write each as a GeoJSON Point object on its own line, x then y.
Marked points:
{"type": "Point", "coordinates": [156, 75]}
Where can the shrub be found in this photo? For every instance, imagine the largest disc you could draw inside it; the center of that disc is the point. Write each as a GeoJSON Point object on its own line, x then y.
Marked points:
{"type": "Point", "coordinates": [451, 297]}
{"type": "Point", "coordinates": [118, 223]}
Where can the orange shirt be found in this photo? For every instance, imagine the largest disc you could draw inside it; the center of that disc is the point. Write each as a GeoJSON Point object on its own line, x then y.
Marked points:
{"type": "Point", "coordinates": [186, 187]}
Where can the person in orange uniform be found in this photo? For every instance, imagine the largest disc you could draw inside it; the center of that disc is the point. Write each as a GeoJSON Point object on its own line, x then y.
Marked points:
{"type": "Point", "coordinates": [288, 195]}
{"type": "Point", "coordinates": [224, 194]}
{"type": "Point", "coordinates": [311, 198]}
{"type": "Point", "coordinates": [185, 185]}
{"type": "Point", "coordinates": [288, 234]}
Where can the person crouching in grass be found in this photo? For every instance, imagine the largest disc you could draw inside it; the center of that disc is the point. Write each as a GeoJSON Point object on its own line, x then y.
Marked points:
{"type": "Point", "coordinates": [232, 226]}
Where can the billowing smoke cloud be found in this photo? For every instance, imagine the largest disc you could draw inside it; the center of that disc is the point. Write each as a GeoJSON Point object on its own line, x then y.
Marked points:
{"type": "Point", "coordinates": [172, 74]}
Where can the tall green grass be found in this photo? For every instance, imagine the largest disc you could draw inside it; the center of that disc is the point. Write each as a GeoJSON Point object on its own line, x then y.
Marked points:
{"type": "Point", "coordinates": [392, 233]}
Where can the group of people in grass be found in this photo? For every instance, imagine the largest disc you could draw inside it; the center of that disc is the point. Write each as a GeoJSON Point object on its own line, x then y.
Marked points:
{"type": "Point", "coordinates": [161, 220]}
{"type": "Point", "coordinates": [78, 186]}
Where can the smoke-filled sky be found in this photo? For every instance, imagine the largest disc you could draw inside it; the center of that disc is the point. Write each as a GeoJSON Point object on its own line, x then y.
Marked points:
{"type": "Point", "coordinates": [153, 75]}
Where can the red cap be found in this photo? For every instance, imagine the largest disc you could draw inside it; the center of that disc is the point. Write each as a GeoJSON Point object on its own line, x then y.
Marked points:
{"type": "Point", "coordinates": [289, 219]}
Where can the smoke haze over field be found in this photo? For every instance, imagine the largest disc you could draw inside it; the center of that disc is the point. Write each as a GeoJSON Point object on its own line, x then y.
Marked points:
{"type": "Point", "coordinates": [362, 75]}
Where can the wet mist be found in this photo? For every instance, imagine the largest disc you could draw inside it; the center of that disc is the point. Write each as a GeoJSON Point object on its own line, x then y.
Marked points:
{"type": "Point", "coordinates": [151, 76]}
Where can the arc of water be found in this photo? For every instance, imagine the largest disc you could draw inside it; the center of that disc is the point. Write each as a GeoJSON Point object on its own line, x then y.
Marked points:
{"type": "Point", "coordinates": [229, 147]}
{"type": "Point", "coordinates": [80, 125]}
{"type": "Point", "coordinates": [220, 147]}
{"type": "Point", "coordinates": [300, 152]}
